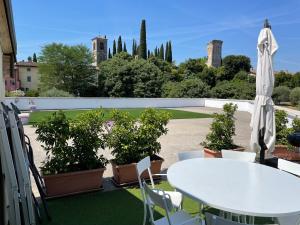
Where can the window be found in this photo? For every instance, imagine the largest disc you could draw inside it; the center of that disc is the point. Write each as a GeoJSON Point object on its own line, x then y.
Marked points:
{"type": "Point", "coordinates": [28, 78]}
{"type": "Point", "coordinates": [28, 69]}
{"type": "Point", "coordinates": [101, 45]}
{"type": "Point", "coordinates": [26, 89]}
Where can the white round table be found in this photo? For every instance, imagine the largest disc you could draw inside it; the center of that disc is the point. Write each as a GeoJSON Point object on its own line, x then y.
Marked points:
{"type": "Point", "coordinates": [238, 187]}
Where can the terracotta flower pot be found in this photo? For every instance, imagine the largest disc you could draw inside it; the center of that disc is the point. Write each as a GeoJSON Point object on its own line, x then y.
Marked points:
{"type": "Point", "coordinates": [126, 174]}
{"type": "Point", "coordinates": [208, 153]}
{"type": "Point", "coordinates": [281, 151]}
{"type": "Point", "coordinates": [74, 182]}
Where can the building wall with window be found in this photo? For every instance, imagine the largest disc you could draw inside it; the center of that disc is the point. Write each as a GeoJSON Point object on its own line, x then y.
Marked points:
{"type": "Point", "coordinates": [28, 74]}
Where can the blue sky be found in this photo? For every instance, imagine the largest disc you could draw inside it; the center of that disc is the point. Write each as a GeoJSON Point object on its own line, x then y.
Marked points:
{"type": "Point", "coordinates": [189, 24]}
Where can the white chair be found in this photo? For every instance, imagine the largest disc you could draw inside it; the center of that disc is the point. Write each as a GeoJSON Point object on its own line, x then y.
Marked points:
{"type": "Point", "coordinates": [236, 155]}
{"type": "Point", "coordinates": [190, 155]}
{"type": "Point", "coordinates": [144, 166]}
{"type": "Point", "coordinates": [163, 200]}
{"type": "Point", "coordinates": [289, 220]}
{"type": "Point", "coordinates": [288, 166]}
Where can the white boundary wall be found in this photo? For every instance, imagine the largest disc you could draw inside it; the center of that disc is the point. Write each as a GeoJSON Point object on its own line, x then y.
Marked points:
{"type": "Point", "coordinates": [42, 103]}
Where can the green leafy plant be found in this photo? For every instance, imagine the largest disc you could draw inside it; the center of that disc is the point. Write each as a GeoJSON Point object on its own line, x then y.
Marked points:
{"type": "Point", "coordinates": [222, 129]}
{"type": "Point", "coordinates": [282, 130]}
{"type": "Point", "coordinates": [133, 139]}
{"type": "Point", "coordinates": [86, 135]}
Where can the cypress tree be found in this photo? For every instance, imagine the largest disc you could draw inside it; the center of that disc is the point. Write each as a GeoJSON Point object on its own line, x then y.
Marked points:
{"type": "Point", "coordinates": [119, 48]}
{"type": "Point", "coordinates": [158, 52]}
{"type": "Point", "coordinates": [155, 52]}
{"type": "Point", "coordinates": [148, 54]}
{"type": "Point", "coordinates": [34, 59]}
{"type": "Point", "coordinates": [137, 49]}
{"type": "Point", "coordinates": [143, 42]}
{"type": "Point", "coordinates": [114, 48]}
{"type": "Point", "coordinates": [161, 52]}
{"type": "Point", "coordinates": [109, 54]}
{"type": "Point", "coordinates": [170, 52]}
{"type": "Point", "coordinates": [124, 48]}
{"type": "Point", "coordinates": [167, 52]}
{"type": "Point", "coordinates": [133, 47]}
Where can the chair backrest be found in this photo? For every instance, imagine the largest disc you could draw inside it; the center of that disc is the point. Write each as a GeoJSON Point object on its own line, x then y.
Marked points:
{"type": "Point", "coordinates": [288, 166]}
{"type": "Point", "coordinates": [241, 156]}
{"type": "Point", "coordinates": [144, 166]}
{"type": "Point", "coordinates": [190, 155]}
{"type": "Point", "coordinates": [160, 199]}
{"type": "Point", "coordinates": [211, 219]}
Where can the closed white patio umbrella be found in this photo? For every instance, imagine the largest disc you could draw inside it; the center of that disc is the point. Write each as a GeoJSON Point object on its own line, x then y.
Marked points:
{"type": "Point", "coordinates": [263, 117]}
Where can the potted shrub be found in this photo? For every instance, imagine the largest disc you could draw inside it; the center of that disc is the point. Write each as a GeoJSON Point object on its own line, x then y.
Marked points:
{"type": "Point", "coordinates": [221, 131]}
{"type": "Point", "coordinates": [133, 139]}
{"type": "Point", "coordinates": [282, 148]}
{"type": "Point", "coordinates": [76, 167]}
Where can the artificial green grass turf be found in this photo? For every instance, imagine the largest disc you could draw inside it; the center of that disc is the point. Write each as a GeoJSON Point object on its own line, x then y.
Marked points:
{"type": "Point", "coordinates": [119, 207]}
{"type": "Point", "coordinates": [38, 116]}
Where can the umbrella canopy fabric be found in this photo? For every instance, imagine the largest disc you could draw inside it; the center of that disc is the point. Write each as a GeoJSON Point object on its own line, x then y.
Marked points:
{"type": "Point", "coordinates": [263, 116]}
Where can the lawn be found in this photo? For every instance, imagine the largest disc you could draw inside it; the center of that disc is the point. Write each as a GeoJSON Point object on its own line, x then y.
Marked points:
{"type": "Point", "coordinates": [119, 207]}
{"type": "Point", "coordinates": [71, 114]}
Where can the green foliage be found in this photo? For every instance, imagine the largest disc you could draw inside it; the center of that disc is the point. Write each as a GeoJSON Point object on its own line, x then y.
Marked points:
{"type": "Point", "coordinates": [53, 92]}
{"type": "Point", "coordinates": [222, 129]}
{"type": "Point", "coordinates": [119, 48]}
{"type": "Point", "coordinates": [143, 41]}
{"type": "Point", "coordinates": [29, 59]}
{"type": "Point", "coordinates": [295, 96]}
{"type": "Point", "coordinates": [32, 93]}
{"type": "Point", "coordinates": [87, 133]}
{"type": "Point", "coordinates": [282, 130]}
{"type": "Point", "coordinates": [134, 48]}
{"type": "Point", "coordinates": [295, 81]}
{"type": "Point", "coordinates": [131, 140]}
{"type": "Point", "coordinates": [67, 68]}
{"type": "Point", "coordinates": [281, 94]}
{"type": "Point", "coordinates": [234, 89]}
{"type": "Point", "coordinates": [233, 64]}
{"type": "Point", "coordinates": [191, 67]}
{"type": "Point", "coordinates": [56, 131]}
{"type": "Point", "coordinates": [208, 75]}
{"type": "Point", "coordinates": [16, 93]}
{"type": "Point", "coordinates": [283, 79]}
{"type": "Point", "coordinates": [124, 47]}
{"type": "Point", "coordinates": [189, 88]}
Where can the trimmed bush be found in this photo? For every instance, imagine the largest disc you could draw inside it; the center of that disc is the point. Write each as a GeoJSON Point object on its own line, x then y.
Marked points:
{"type": "Point", "coordinates": [55, 93]}
{"type": "Point", "coordinates": [281, 94]}
{"type": "Point", "coordinates": [295, 96]}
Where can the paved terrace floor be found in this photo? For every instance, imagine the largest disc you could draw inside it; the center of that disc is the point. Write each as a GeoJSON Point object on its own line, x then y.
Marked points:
{"type": "Point", "coordinates": [183, 135]}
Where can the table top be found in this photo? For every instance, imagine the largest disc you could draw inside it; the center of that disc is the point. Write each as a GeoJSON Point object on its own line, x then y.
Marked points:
{"type": "Point", "coordinates": [237, 187]}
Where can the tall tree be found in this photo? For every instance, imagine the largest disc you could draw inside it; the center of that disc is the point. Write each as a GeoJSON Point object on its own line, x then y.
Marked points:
{"type": "Point", "coordinates": [114, 48]}
{"type": "Point", "coordinates": [34, 58]}
{"type": "Point", "coordinates": [167, 52]}
{"type": "Point", "coordinates": [155, 52]}
{"type": "Point", "coordinates": [161, 52]}
{"type": "Point", "coordinates": [143, 41]}
{"type": "Point", "coordinates": [119, 48]}
{"type": "Point", "coordinates": [148, 54]}
{"type": "Point", "coordinates": [67, 68]}
{"type": "Point", "coordinates": [124, 48]}
{"type": "Point", "coordinates": [29, 58]}
{"type": "Point", "coordinates": [109, 54]}
{"type": "Point", "coordinates": [133, 47]}
{"type": "Point", "coordinates": [170, 52]}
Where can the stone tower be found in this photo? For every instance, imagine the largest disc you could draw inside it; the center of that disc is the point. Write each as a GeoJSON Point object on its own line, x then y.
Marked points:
{"type": "Point", "coordinates": [99, 49]}
{"type": "Point", "coordinates": [214, 51]}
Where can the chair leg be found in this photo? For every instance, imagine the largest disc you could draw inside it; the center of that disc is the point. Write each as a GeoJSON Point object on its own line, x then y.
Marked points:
{"type": "Point", "coordinates": [145, 214]}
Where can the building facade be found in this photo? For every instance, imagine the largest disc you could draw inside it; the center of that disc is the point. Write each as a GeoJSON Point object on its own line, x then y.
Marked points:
{"type": "Point", "coordinates": [28, 74]}
{"type": "Point", "coordinates": [214, 53]}
{"type": "Point", "coordinates": [8, 46]}
{"type": "Point", "coordinates": [99, 49]}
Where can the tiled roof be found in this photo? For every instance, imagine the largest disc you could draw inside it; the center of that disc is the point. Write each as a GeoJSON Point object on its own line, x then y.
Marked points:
{"type": "Point", "coordinates": [26, 64]}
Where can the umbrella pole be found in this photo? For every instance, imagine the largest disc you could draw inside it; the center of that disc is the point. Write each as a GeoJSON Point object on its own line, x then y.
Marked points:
{"type": "Point", "coordinates": [263, 146]}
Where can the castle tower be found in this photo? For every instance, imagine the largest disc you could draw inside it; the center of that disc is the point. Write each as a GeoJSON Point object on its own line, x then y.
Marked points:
{"type": "Point", "coordinates": [99, 49]}
{"type": "Point", "coordinates": [214, 52]}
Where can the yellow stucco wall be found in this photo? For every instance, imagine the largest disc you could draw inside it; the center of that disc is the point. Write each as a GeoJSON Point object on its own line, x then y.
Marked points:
{"type": "Point", "coordinates": [24, 73]}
